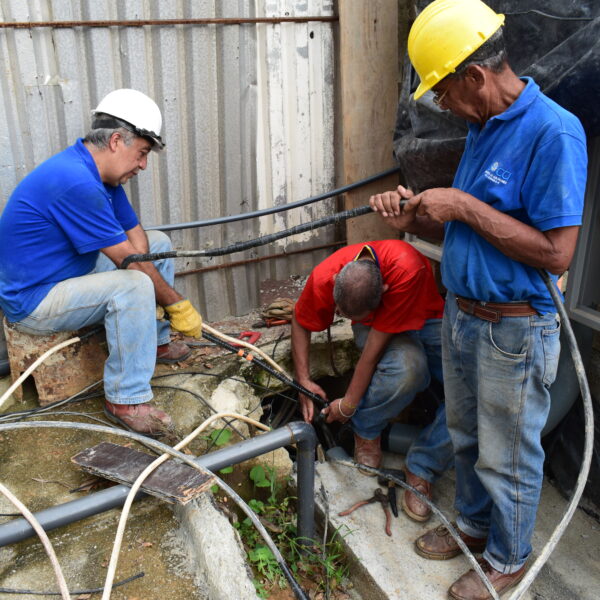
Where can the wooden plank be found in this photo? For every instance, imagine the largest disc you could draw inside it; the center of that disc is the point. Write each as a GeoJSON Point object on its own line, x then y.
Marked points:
{"type": "Point", "coordinates": [369, 75]}
{"type": "Point", "coordinates": [172, 481]}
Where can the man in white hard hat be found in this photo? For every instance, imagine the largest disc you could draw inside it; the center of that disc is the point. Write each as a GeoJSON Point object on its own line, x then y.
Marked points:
{"type": "Point", "coordinates": [63, 234]}
{"type": "Point", "coordinates": [515, 207]}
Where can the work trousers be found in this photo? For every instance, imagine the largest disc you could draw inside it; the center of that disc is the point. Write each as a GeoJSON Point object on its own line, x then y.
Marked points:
{"type": "Point", "coordinates": [409, 361]}
{"type": "Point", "coordinates": [496, 380]}
{"type": "Point", "coordinates": [124, 301]}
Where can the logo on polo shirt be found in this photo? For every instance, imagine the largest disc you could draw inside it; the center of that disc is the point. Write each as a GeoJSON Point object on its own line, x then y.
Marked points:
{"type": "Point", "coordinates": [498, 174]}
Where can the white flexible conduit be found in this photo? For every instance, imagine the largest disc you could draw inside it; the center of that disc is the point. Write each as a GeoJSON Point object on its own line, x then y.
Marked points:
{"type": "Point", "coordinates": [60, 578]}
{"type": "Point", "coordinates": [112, 566]}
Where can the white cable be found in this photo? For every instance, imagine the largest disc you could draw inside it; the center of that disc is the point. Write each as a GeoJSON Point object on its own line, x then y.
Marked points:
{"type": "Point", "coordinates": [60, 578]}
{"type": "Point", "coordinates": [239, 342]}
{"type": "Point", "coordinates": [112, 567]}
{"type": "Point", "coordinates": [34, 366]}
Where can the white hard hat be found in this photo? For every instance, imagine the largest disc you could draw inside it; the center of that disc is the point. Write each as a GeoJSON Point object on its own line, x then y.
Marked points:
{"type": "Point", "coordinates": [138, 113]}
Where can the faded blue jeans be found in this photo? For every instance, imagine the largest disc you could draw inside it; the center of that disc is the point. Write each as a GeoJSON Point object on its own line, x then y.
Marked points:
{"type": "Point", "coordinates": [496, 379]}
{"type": "Point", "coordinates": [124, 301]}
{"type": "Point", "coordinates": [405, 369]}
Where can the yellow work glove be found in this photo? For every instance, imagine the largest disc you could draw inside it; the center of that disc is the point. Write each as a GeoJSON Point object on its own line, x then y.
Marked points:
{"type": "Point", "coordinates": [185, 318]}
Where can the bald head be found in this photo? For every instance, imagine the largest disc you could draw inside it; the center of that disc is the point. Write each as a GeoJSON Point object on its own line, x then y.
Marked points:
{"type": "Point", "coordinates": [358, 288]}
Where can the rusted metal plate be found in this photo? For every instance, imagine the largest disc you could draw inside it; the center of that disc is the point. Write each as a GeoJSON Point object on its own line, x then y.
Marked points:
{"type": "Point", "coordinates": [63, 373]}
{"type": "Point", "coordinates": [171, 481]}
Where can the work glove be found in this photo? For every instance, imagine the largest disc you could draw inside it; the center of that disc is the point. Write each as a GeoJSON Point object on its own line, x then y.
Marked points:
{"type": "Point", "coordinates": [280, 308]}
{"type": "Point", "coordinates": [185, 318]}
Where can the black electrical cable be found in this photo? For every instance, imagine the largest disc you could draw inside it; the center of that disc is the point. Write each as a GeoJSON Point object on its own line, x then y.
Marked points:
{"type": "Point", "coordinates": [78, 592]}
{"type": "Point", "coordinates": [241, 246]}
{"type": "Point", "coordinates": [244, 353]}
{"type": "Point", "coordinates": [279, 208]}
{"type": "Point", "coordinates": [318, 421]}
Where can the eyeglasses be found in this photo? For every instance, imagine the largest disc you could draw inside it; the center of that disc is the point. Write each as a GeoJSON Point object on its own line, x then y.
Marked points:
{"type": "Point", "coordinates": [439, 97]}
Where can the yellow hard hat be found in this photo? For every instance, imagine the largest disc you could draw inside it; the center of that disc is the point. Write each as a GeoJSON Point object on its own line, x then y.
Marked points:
{"type": "Point", "coordinates": [444, 34]}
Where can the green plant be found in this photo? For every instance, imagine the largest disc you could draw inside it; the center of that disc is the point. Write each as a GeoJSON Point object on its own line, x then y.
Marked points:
{"type": "Point", "coordinates": [323, 564]}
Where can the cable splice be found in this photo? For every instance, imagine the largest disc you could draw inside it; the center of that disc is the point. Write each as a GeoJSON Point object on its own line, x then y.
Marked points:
{"type": "Point", "coordinates": [241, 246]}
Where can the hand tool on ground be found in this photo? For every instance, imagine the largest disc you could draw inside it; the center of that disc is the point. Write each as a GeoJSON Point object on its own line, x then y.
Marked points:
{"type": "Point", "coordinates": [391, 487]}
{"type": "Point", "coordinates": [248, 336]}
{"type": "Point", "coordinates": [378, 496]}
{"type": "Point", "coordinates": [270, 322]}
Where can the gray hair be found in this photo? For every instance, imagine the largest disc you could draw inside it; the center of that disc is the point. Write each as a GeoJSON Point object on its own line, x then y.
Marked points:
{"type": "Point", "coordinates": [100, 137]}
{"type": "Point", "coordinates": [358, 288]}
{"type": "Point", "coordinates": [490, 55]}
{"type": "Point", "coordinates": [103, 127]}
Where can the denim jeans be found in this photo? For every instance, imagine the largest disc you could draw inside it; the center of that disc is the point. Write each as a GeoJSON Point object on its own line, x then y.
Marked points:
{"type": "Point", "coordinates": [124, 301]}
{"type": "Point", "coordinates": [405, 369]}
{"type": "Point", "coordinates": [496, 380]}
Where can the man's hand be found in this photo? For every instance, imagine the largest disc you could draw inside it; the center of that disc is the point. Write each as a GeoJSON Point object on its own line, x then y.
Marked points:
{"type": "Point", "coordinates": [185, 318]}
{"type": "Point", "coordinates": [388, 205]}
{"type": "Point", "coordinates": [334, 413]}
{"type": "Point", "coordinates": [441, 204]}
{"type": "Point", "coordinates": [306, 404]}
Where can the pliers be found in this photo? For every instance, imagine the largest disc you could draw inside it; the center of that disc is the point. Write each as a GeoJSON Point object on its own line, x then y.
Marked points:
{"type": "Point", "coordinates": [378, 496]}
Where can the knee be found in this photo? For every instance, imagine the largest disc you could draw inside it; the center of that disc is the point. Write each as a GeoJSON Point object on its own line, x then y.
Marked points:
{"type": "Point", "coordinates": [159, 241]}
{"type": "Point", "coordinates": [136, 282]}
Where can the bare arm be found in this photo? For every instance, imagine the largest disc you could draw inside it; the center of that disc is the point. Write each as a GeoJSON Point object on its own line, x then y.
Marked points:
{"type": "Point", "coordinates": [165, 294]}
{"type": "Point", "coordinates": [138, 238]}
{"type": "Point", "coordinates": [426, 213]}
{"type": "Point", "coordinates": [363, 372]}
{"type": "Point", "coordinates": [301, 357]}
{"type": "Point", "coordinates": [551, 250]}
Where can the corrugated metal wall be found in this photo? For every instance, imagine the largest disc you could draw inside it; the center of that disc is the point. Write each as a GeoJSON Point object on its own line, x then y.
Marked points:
{"type": "Point", "coordinates": [247, 110]}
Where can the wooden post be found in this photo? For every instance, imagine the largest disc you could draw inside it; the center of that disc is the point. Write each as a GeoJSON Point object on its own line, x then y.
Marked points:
{"type": "Point", "coordinates": [369, 75]}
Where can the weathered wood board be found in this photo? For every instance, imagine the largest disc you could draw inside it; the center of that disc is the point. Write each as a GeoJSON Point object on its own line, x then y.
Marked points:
{"type": "Point", "coordinates": [172, 481]}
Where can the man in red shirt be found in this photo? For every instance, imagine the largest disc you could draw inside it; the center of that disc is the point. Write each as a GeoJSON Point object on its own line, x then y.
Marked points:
{"type": "Point", "coordinates": [388, 290]}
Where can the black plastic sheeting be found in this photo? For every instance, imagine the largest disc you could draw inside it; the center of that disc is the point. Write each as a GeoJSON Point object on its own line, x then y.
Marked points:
{"type": "Point", "coordinates": [557, 42]}
{"type": "Point", "coordinates": [564, 452]}
{"type": "Point", "coordinates": [560, 49]}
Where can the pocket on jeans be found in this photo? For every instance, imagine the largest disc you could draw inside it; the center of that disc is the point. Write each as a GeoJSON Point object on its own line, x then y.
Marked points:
{"type": "Point", "coordinates": [510, 338]}
{"type": "Point", "coordinates": [551, 348]}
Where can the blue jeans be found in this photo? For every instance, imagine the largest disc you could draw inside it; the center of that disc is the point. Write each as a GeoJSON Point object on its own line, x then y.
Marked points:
{"type": "Point", "coordinates": [124, 301]}
{"type": "Point", "coordinates": [496, 379]}
{"type": "Point", "coordinates": [405, 369]}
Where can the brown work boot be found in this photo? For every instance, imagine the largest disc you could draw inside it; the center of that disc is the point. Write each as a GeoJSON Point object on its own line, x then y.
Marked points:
{"type": "Point", "coordinates": [142, 418]}
{"type": "Point", "coordinates": [470, 586]}
{"type": "Point", "coordinates": [438, 544]}
{"type": "Point", "coordinates": [367, 452]}
{"type": "Point", "coordinates": [416, 509]}
{"type": "Point", "coordinates": [172, 353]}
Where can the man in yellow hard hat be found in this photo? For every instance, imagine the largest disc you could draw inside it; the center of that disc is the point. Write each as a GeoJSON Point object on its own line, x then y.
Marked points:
{"type": "Point", "coordinates": [515, 207]}
{"type": "Point", "coordinates": [64, 232]}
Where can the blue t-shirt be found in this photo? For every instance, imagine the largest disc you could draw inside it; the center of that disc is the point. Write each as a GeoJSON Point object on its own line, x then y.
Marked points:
{"type": "Point", "coordinates": [529, 162]}
{"type": "Point", "coordinates": [53, 226]}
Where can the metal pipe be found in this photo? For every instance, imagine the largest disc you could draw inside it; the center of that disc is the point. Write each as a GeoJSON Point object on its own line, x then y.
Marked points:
{"type": "Point", "coordinates": [164, 22]}
{"type": "Point", "coordinates": [256, 259]}
{"type": "Point", "coordinates": [277, 209]}
{"type": "Point", "coordinates": [299, 433]}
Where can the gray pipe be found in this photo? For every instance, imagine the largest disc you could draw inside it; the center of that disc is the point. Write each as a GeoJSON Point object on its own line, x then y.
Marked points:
{"type": "Point", "coordinates": [299, 433]}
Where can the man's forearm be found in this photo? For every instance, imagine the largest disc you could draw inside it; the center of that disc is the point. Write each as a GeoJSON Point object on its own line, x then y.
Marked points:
{"type": "Point", "coordinates": [300, 350]}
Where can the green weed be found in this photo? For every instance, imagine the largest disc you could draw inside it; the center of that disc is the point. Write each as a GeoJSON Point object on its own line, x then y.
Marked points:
{"type": "Point", "coordinates": [323, 565]}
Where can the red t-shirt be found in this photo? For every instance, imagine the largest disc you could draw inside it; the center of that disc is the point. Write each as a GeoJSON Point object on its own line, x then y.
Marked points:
{"type": "Point", "coordinates": [412, 296]}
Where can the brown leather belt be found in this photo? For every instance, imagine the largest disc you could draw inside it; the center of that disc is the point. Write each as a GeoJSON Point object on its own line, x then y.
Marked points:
{"type": "Point", "coordinates": [494, 311]}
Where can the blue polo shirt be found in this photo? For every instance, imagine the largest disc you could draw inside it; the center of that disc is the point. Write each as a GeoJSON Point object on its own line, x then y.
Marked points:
{"type": "Point", "coordinates": [529, 162]}
{"type": "Point", "coordinates": [53, 226]}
